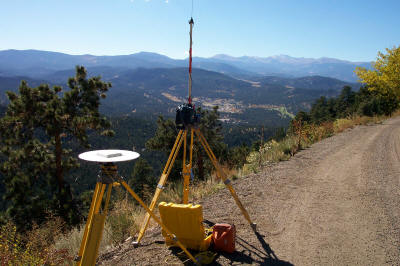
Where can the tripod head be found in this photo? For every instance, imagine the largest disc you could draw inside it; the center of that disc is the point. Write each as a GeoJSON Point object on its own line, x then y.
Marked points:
{"type": "Point", "coordinates": [186, 116]}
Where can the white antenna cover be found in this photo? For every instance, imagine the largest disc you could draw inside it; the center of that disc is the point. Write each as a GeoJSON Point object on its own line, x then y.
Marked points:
{"type": "Point", "coordinates": [109, 156]}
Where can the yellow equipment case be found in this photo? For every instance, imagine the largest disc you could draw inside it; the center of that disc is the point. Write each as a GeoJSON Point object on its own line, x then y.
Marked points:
{"type": "Point", "coordinates": [185, 221]}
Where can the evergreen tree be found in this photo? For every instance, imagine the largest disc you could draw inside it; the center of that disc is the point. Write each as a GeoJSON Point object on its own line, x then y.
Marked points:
{"type": "Point", "coordinates": [142, 178]}
{"type": "Point", "coordinates": [372, 103]}
{"type": "Point", "coordinates": [211, 128]}
{"type": "Point", "coordinates": [280, 134]}
{"type": "Point", "coordinates": [237, 156]}
{"type": "Point", "coordinates": [345, 103]}
{"type": "Point", "coordinates": [164, 137]}
{"type": "Point", "coordinates": [304, 116]}
{"type": "Point", "coordinates": [364, 102]}
{"type": "Point", "coordinates": [163, 141]}
{"type": "Point", "coordinates": [32, 132]}
{"type": "Point", "coordinates": [319, 112]}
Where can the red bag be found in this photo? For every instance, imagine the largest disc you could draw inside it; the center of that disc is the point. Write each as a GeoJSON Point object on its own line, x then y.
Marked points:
{"type": "Point", "coordinates": [223, 237]}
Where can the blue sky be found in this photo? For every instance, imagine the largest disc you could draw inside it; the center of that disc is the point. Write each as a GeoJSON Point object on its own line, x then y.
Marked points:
{"type": "Point", "coordinates": [351, 30]}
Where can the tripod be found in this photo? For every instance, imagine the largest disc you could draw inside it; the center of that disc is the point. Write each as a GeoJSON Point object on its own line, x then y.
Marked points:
{"type": "Point", "coordinates": [188, 122]}
{"type": "Point", "coordinates": [182, 138]}
{"type": "Point", "coordinates": [97, 213]}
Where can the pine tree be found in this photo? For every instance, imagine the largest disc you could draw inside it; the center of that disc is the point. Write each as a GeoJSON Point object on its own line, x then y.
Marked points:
{"type": "Point", "coordinates": [32, 132]}
{"type": "Point", "coordinates": [345, 103]}
{"type": "Point", "coordinates": [211, 127]}
{"type": "Point", "coordinates": [142, 178]}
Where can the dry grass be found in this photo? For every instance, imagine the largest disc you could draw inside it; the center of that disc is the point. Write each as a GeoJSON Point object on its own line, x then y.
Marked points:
{"type": "Point", "coordinates": [198, 189]}
{"type": "Point", "coordinates": [342, 124]}
{"type": "Point", "coordinates": [71, 241]}
{"type": "Point", "coordinates": [122, 222]}
{"type": "Point", "coordinates": [172, 193]}
{"type": "Point", "coordinates": [305, 136]}
{"type": "Point", "coordinates": [204, 188]}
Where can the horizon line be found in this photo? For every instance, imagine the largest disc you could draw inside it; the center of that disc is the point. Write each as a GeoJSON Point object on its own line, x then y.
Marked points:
{"type": "Point", "coordinates": [210, 57]}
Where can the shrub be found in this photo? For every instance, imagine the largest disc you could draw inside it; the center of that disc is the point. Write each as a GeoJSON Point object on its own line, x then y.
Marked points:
{"type": "Point", "coordinates": [342, 124]}
{"type": "Point", "coordinates": [34, 248]}
{"type": "Point", "coordinates": [123, 221]}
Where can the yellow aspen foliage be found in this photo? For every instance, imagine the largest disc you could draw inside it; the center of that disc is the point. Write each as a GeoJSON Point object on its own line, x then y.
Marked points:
{"type": "Point", "coordinates": [385, 75]}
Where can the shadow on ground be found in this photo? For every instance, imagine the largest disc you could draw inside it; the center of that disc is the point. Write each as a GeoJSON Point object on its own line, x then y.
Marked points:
{"type": "Point", "coordinates": [251, 254]}
{"type": "Point", "coordinates": [248, 254]}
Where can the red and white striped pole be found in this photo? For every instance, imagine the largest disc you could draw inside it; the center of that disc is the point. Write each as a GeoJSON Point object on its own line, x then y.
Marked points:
{"type": "Point", "coordinates": [191, 22]}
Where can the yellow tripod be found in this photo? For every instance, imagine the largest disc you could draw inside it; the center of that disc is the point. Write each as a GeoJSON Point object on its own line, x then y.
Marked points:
{"type": "Point", "coordinates": [97, 214]}
{"type": "Point", "coordinates": [182, 138]}
{"type": "Point", "coordinates": [187, 168]}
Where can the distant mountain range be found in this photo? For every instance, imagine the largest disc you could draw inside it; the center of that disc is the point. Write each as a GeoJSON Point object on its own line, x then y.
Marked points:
{"type": "Point", "coordinates": [150, 83]}
{"type": "Point", "coordinates": [35, 63]}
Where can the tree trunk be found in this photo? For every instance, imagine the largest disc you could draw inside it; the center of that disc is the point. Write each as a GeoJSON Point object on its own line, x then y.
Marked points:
{"type": "Point", "coordinates": [59, 170]}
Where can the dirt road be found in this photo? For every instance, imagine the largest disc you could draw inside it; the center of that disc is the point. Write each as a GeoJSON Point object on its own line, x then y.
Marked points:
{"type": "Point", "coordinates": [336, 203]}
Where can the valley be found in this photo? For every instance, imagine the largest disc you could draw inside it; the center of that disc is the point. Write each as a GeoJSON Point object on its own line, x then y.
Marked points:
{"type": "Point", "coordinates": [147, 83]}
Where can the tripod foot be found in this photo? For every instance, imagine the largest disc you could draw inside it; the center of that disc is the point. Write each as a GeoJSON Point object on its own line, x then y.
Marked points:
{"type": "Point", "coordinates": [254, 227]}
{"type": "Point", "coordinates": [135, 244]}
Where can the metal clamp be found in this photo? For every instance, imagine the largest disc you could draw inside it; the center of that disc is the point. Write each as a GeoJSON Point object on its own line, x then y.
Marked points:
{"type": "Point", "coordinates": [160, 186]}
{"type": "Point", "coordinates": [108, 173]}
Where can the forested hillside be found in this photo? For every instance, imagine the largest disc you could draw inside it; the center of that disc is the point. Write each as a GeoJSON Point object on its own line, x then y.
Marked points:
{"type": "Point", "coordinates": [270, 101]}
{"type": "Point", "coordinates": [308, 82]}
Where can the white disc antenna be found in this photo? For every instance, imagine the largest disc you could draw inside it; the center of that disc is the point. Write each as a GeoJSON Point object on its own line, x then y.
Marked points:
{"type": "Point", "coordinates": [109, 156]}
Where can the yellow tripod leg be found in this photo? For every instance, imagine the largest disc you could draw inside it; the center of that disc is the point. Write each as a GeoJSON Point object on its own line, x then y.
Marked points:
{"type": "Point", "coordinates": [224, 178]}
{"type": "Point", "coordinates": [94, 227]}
{"type": "Point", "coordinates": [150, 212]}
{"type": "Point", "coordinates": [161, 183]}
{"type": "Point", "coordinates": [186, 182]}
{"type": "Point", "coordinates": [90, 216]}
{"type": "Point", "coordinates": [96, 231]}
{"type": "Point", "coordinates": [187, 168]}
{"type": "Point", "coordinates": [191, 148]}
{"type": "Point", "coordinates": [185, 172]}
